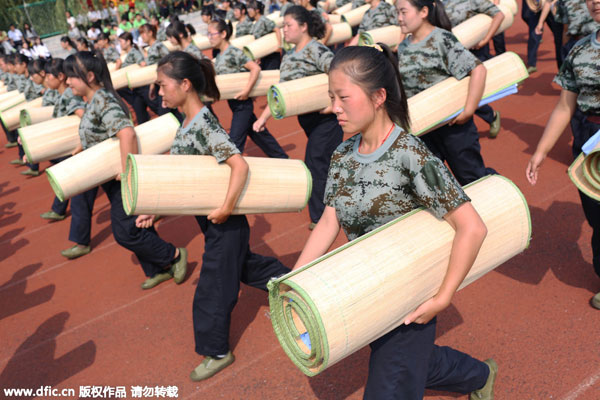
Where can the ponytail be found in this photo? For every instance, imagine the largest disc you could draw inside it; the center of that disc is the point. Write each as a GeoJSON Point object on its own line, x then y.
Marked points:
{"type": "Point", "coordinates": [66, 39]}
{"type": "Point", "coordinates": [312, 19]}
{"type": "Point", "coordinates": [256, 5]}
{"type": "Point", "coordinates": [177, 29]}
{"type": "Point", "coordinates": [371, 69]}
{"type": "Point", "coordinates": [190, 28]}
{"type": "Point", "coordinates": [436, 14]}
{"type": "Point", "coordinates": [223, 26]}
{"type": "Point", "coordinates": [79, 64]}
{"type": "Point", "coordinates": [180, 65]}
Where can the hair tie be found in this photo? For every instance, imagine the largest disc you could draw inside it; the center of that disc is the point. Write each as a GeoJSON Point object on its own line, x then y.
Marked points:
{"type": "Point", "coordinates": [375, 46]}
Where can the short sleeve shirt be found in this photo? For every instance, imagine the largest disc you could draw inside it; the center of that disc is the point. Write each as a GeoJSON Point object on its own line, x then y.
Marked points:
{"type": "Point", "coordinates": [67, 104]}
{"type": "Point", "coordinates": [230, 16]}
{"type": "Point", "coordinates": [231, 61]}
{"type": "Point", "coordinates": [204, 136]}
{"type": "Point", "coordinates": [460, 10]}
{"type": "Point", "coordinates": [435, 58]}
{"type": "Point", "coordinates": [50, 97]}
{"type": "Point", "coordinates": [370, 190]}
{"type": "Point", "coordinates": [103, 118]}
{"type": "Point", "coordinates": [21, 83]}
{"type": "Point", "coordinates": [161, 34]}
{"type": "Point", "coordinates": [11, 82]}
{"type": "Point", "coordinates": [243, 28]}
{"type": "Point", "coordinates": [313, 59]}
{"type": "Point", "coordinates": [358, 3]}
{"type": "Point", "coordinates": [32, 90]}
{"type": "Point", "coordinates": [110, 54]}
{"type": "Point", "coordinates": [155, 52]}
{"type": "Point", "coordinates": [133, 57]}
{"type": "Point", "coordinates": [194, 50]}
{"type": "Point", "coordinates": [575, 14]}
{"type": "Point", "coordinates": [383, 15]}
{"type": "Point", "coordinates": [580, 74]}
{"type": "Point", "coordinates": [262, 27]}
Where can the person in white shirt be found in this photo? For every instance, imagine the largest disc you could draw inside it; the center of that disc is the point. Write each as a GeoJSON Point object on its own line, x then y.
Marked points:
{"type": "Point", "coordinates": [39, 49]}
{"type": "Point", "coordinates": [16, 36]}
{"type": "Point", "coordinates": [25, 50]}
{"type": "Point", "coordinates": [93, 32]}
{"type": "Point", "coordinates": [70, 19]}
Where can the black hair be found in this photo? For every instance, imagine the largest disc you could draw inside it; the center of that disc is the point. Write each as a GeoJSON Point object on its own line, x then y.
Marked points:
{"type": "Point", "coordinates": [314, 3]}
{"type": "Point", "coordinates": [66, 39]}
{"type": "Point", "coordinates": [148, 28]}
{"type": "Point", "coordinates": [36, 66]}
{"type": "Point", "coordinates": [177, 29]}
{"type": "Point", "coordinates": [241, 7]}
{"type": "Point", "coordinates": [208, 10]}
{"type": "Point", "coordinates": [190, 28]}
{"type": "Point", "coordinates": [371, 69]}
{"type": "Point", "coordinates": [103, 36]}
{"type": "Point", "coordinates": [312, 19]}
{"type": "Point", "coordinates": [84, 42]}
{"type": "Point", "coordinates": [125, 17]}
{"type": "Point", "coordinates": [55, 67]}
{"type": "Point", "coordinates": [223, 26]}
{"type": "Point", "coordinates": [128, 37]}
{"type": "Point", "coordinates": [256, 5]}
{"type": "Point", "coordinates": [180, 65]}
{"type": "Point", "coordinates": [436, 14]}
{"type": "Point", "coordinates": [79, 64]}
{"type": "Point", "coordinates": [21, 58]}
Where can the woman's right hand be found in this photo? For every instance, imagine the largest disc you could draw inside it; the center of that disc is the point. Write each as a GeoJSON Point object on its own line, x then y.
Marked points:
{"type": "Point", "coordinates": [539, 30]}
{"type": "Point", "coordinates": [259, 125]}
{"type": "Point", "coordinates": [533, 167]}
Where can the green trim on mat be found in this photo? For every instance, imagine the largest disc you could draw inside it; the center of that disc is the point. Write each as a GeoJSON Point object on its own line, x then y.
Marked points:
{"type": "Point", "coordinates": [276, 102]}
{"type": "Point", "coordinates": [593, 170]}
{"type": "Point", "coordinates": [175, 119]}
{"type": "Point", "coordinates": [24, 118]}
{"type": "Point", "coordinates": [248, 53]}
{"type": "Point", "coordinates": [54, 184]}
{"type": "Point", "coordinates": [2, 117]}
{"type": "Point", "coordinates": [524, 202]}
{"type": "Point", "coordinates": [25, 146]}
{"type": "Point", "coordinates": [130, 195]}
{"type": "Point", "coordinates": [8, 108]}
{"type": "Point", "coordinates": [583, 189]}
{"type": "Point", "coordinates": [365, 39]}
{"type": "Point", "coordinates": [309, 184]}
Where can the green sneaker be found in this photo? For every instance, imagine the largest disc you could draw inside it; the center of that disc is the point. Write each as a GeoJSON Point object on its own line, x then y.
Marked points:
{"type": "Point", "coordinates": [179, 269]}
{"type": "Point", "coordinates": [18, 161]}
{"type": "Point", "coordinates": [596, 301]}
{"type": "Point", "coordinates": [30, 172]}
{"type": "Point", "coordinates": [495, 125]}
{"type": "Point", "coordinates": [76, 251]}
{"type": "Point", "coordinates": [210, 366]}
{"type": "Point", "coordinates": [487, 391]}
{"type": "Point", "coordinates": [156, 280]}
{"type": "Point", "coordinates": [53, 216]}
{"type": "Point", "coordinates": [10, 144]}
{"type": "Point", "coordinates": [531, 70]}
{"type": "Point", "coordinates": [311, 226]}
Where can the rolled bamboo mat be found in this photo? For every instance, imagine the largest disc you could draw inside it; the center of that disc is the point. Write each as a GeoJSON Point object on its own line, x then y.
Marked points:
{"type": "Point", "coordinates": [274, 15]}
{"type": "Point", "coordinates": [474, 29]}
{"type": "Point", "coordinates": [8, 95]}
{"type": "Point", "coordinates": [389, 35]}
{"type": "Point", "coordinates": [262, 46]}
{"type": "Point", "coordinates": [343, 9]}
{"type": "Point", "coordinates": [111, 66]}
{"type": "Point", "coordinates": [585, 173]}
{"type": "Point", "coordinates": [241, 41]}
{"type": "Point", "coordinates": [334, 306]}
{"type": "Point", "coordinates": [299, 96]}
{"type": "Point", "coordinates": [170, 46]}
{"type": "Point", "coordinates": [12, 101]}
{"type": "Point", "coordinates": [231, 84]}
{"type": "Point", "coordinates": [197, 185]}
{"type": "Point", "coordinates": [334, 19]}
{"type": "Point", "coordinates": [327, 5]}
{"type": "Point", "coordinates": [511, 5]}
{"type": "Point", "coordinates": [119, 77]}
{"type": "Point", "coordinates": [11, 117]}
{"type": "Point", "coordinates": [50, 139]}
{"type": "Point", "coordinates": [339, 33]}
{"type": "Point", "coordinates": [35, 115]}
{"type": "Point", "coordinates": [354, 17]}
{"type": "Point", "coordinates": [142, 77]}
{"type": "Point", "coordinates": [202, 42]}
{"type": "Point", "coordinates": [3, 89]}
{"type": "Point", "coordinates": [102, 162]}
{"type": "Point", "coordinates": [508, 20]}
{"type": "Point", "coordinates": [431, 108]}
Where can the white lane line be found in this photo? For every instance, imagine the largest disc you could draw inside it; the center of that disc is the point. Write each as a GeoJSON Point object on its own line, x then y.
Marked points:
{"type": "Point", "coordinates": [583, 386]}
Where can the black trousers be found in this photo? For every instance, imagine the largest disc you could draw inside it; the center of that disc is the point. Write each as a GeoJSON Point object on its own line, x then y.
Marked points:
{"type": "Point", "coordinates": [134, 99]}
{"type": "Point", "coordinates": [227, 261]}
{"type": "Point", "coordinates": [153, 253]}
{"type": "Point", "coordinates": [499, 44]}
{"type": "Point", "coordinates": [35, 167]}
{"type": "Point", "coordinates": [155, 103]}
{"type": "Point", "coordinates": [485, 112]}
{"type": "Point", "coordinates": [582, 131]}
{"type": "Point", "coordinates": [11, 136]}
{"type": "Point", "coordinates": [324, 136]}
{"type": "Point", "coordinates": [533, 41]}
{"type": "Point", "coordinates": [405, 361]}
{"type": "Point", "coordinates": [270, 61]}
{"type": "Point", "coordinates": [59, 207]}
{"type": "Point", "coordinates": [566, 48]}
{"type": "Point", "coordinates": [241, 128]}
{"type": "Point", "coordinates": [459, 146]}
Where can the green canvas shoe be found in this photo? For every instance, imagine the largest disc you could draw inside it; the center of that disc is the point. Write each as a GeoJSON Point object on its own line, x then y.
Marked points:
{"type": "Point", "coordinates": [76, 251]}
{"type": "Point", "coordinates": [596, 301]}
{"type": "Point", "coordinates": [487, 391]}
{"type": "Point", "coordinates": [179, 269]}
{"type": "Point", "coordinates": [53, 216]}
{"type": "Point", "coordinates": [18, 161]}
{"type": "Point", "coordinates": [156, 280]}
{"type": "Point", "coordinates": [30, 172]}
{"type": "Point", "coordinates": [495, 125]}
{"type": "Point", "coordinates": [210, 366]}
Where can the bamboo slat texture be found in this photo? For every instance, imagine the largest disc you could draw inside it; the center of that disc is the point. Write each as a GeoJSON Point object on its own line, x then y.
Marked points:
{"type": "Point", "coordinates": [299, 96]}
{"type": "Point", "coordinates": [354, 17]}
{"type": "Point", "coordinates": [11, 117]}
{"type": "Point", "coordinates": [585, 173]}
{"type": "Point", "coordinates": [389, 35]}
{"type": "Point", "coordinates": [50, 139]}
{"type": "Point", "coordinates": [35, 115]}
{"type": "Point", "coordinates": [197, 185]}
{"type": "Point", "coordinates": [119, 77]}
{"type": "Point", "coordinates": [340, 33]}
{"type": "Point", "coordinates": [359, 292]}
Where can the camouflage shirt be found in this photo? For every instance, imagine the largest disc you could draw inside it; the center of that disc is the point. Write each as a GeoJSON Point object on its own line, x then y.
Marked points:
{"type": "Point", "coordinates": [285, 7]}
{"type": "Point", "coordinates": [110, 54]}
{"type": "Point", "coordinates": [204, 136]}
{"type": "Point", "coordinates": [370, 190]}
{"type": "Point", "coordinates": [155, 52]}
{"type": "Point", "coordinates": [67, 104]}
{"type": "Point", "coordinates": [435, 58]}
{"type": "Point", "coordinates": [161, 34]}
{"type": "Point", "coordinates": [11, 82]}
{"type": "Point", "coordinates": [230, 16]}
{"type": "Point", "coordinates": [243, 28]}
{"type": "Point", "coordinates": [339, 3]}
{"type": "Point", "coordinates": [460, 10]}
{"type": "Point", "coordinates": [133, 57]}
{"type": "Point", "coordinates": [358, 3]}
{"type": "Point", "coordinates": [313, 59]}
{"type": "Point", "coordinates": [383, 15]}
{"type": "Point", "coordinates": [32, 90]}
{"type": "Point", "coordinates": [579, 74]}
{"type": "Point", "coordinates": [103, 118]}
{"type": "Point", "coordinates": [575, 14]}
{"type": "Point", "coordinates": [231, 61]}
{"type": "Point", "coordinates": [21, 81]}
{"type": "Point", "coordinates": [194, 50]}
{"type": "Point", "coordinates": [262, 27]}
{"type": "Point", "coordinates": [50, 97]}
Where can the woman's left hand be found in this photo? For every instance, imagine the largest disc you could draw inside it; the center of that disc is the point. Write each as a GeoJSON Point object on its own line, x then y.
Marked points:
{"type": "Point", "coordinates": [426, 311]}
{"type": "Point", "coordinates": [144, 221]}
{"type": "Point", "coordinates": [461, 118]}
{"type": "Point", "coordinates": [243, 95]}
{"type": "Point", "coordinates": [219, 215]}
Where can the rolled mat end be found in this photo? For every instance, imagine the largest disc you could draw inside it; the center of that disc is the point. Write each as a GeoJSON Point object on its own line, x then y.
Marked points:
{"type": "Point", "coordinates": [129, 185]}
{"type": "Point", "coordinates": [25, 147]}
{"type": "Point", "coordinates": [276, 102]}
{"type": "Point", "coordinates": [54, 184]}
{"type": "Point", "coordinates": [25, 118]}
{"type": "Point", "coordinates": [309, 184]}
{"type": "Point", "coordinates": [248, 53]}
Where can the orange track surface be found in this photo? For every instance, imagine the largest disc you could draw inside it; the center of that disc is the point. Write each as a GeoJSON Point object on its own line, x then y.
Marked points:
{"type": "Point", "coordinates": [87, 322]}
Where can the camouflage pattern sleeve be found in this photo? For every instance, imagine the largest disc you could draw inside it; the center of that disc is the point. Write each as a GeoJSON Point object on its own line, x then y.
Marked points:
{"type": "Point", "coordinates": [103, 118]}
{"type": "Point", "coordinates": [339, 3]}
{"type": "Point", "coordinates": [243, 28]}
{"type": "Point", "coordinates": [384, 14]}
{"type": "Point", "coordinates": [230, 16]}
{"type": "Point", "coordinates": [315, 58]}
{"type": "Point", "coordinates": [194, 50]}
{"type": "Point", "coordinates": [161, 35]}
{"type": "Point", "coordinates": [460, 10]}
{"type": "Point", "coordinates": [262, 27]}
{"type": "Point", "coordinates": [32, 90]}
{"type": "Point", "coordinates": [485, 7]}
{"type": "Point", "coordinates": [21, 83]}
{"type": "Point", "coordinates": [231, 61]}
{"type": "Point", "coordinates": [156, 52]}
{"type": "Point", "coordinates": [575, 14]}
{"type": "Point", "coordinates": [11, 82]}
{"type": "Point", "coordinates": [50, 97]}
{"type": "Point", "coordinates": [110, 54]}
{"type": "Point", "coordinates": [73, 103]}
{"type": "Point", "coordinates": [133, 57]}
{"type": "Point", "coordinates": [358, 3]}
{"type": "Point", "coordinates": [561, 13]}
